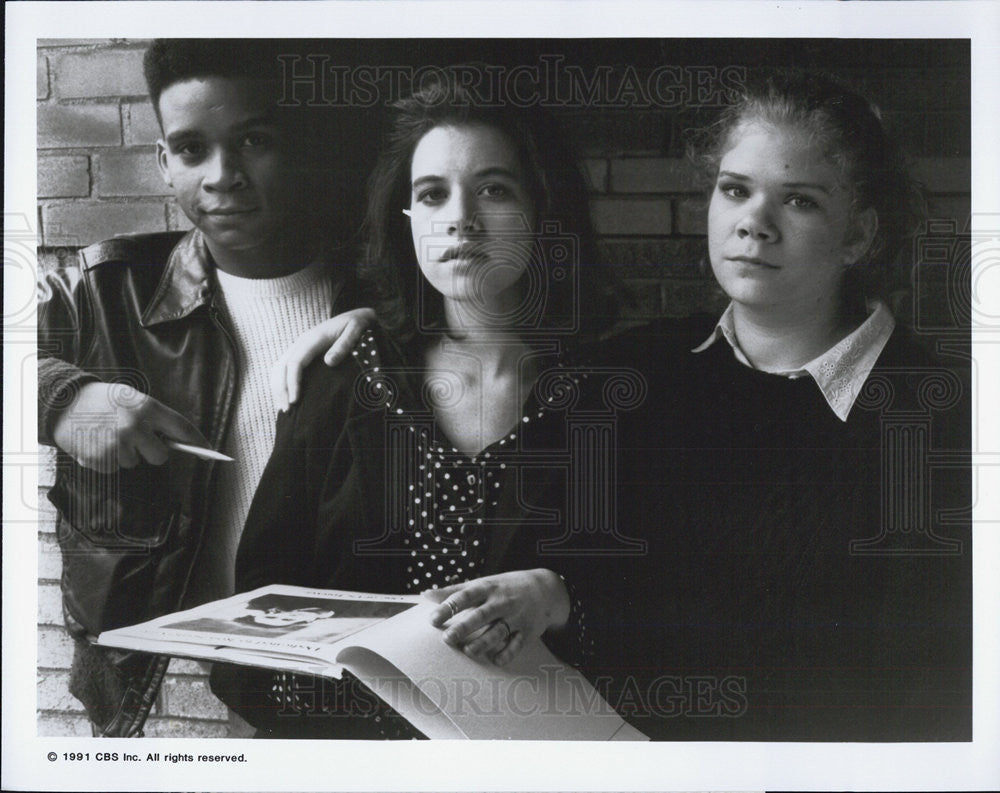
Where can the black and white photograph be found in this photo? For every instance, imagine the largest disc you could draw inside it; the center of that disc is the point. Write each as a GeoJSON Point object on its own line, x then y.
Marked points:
{"type": "Point", "coordinates": [300, 618]}
{"type": "Point", "coordinates": [662, 345]}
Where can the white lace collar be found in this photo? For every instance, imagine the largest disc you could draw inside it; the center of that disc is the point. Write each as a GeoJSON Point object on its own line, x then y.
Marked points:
{"type": "Point", "coordinates": [840, 371]}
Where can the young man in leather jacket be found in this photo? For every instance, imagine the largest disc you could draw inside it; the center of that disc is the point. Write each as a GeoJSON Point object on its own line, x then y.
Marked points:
{"type": "Point", "coordinates": [169, 337]}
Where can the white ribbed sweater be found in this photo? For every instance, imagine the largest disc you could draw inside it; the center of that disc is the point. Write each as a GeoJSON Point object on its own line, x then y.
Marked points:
{"type": "Point", "coordinates": [265, 316]}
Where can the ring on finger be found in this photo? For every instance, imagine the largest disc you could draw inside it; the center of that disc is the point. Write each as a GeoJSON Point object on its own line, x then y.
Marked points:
{"type": "Point", "coordinates": [506, 627]}
{"type": "Point", "coordinates": [451, 607]}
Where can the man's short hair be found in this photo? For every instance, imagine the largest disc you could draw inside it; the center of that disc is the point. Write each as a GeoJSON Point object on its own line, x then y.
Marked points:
{"type": "Point", "coordinates": [169, 61]}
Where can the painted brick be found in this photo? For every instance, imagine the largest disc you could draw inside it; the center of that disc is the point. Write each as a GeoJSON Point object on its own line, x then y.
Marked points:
{"type": "Point", "coordinates": [128, 173]}
{"type": "Point", "coordinates": [908, 127]}
{"type": "Point", "coordinates": [46, 510]}
{"type": "Point", "coordinates": [99, 73]}
{"type": "Point", "coordinates": [49, 605]}
{"type": "Point", "coordinates": [42, 77]}
{"type": "Point", "coordinates": [646, 301]}
{"type": "Point", "coordinates": [943, 87]}
{"type": "Point", "coordinates": [63, 126]}
{"type": "Point", "coordinates": [141, 126]}
{"type": "Point", "coordinates": [48, 260]}
{"type": "Point", "coordinates": [681, 256]}
{"type": "Point", "coordinates": [945, 134]}
{"type": "Point", "coordinates": [184, 728]}
{"type": "Point", "coordinates": [53, 693]}
{"type": "Point", "coordinates": [188, 666]}
{"type": "Point", "coordinates": [72, 42]}
{"type": "Point", "coordinates": [55, 648]}
{"type": "Point", "coordinates": [631, 216]}
{"type": "Point", "coordinates": [684, 298]}
{"type": "Point", "coordinates": [92, 222]}
{"type": "Point", "coordinates": [46, 517]}
{"type": "Point", "coordinates": [58, 258]}
{"type": "Point", "coordinates": [47, 470]}
{"type": "Point", "coordinates": [651, 175]}
{"type": "Point", "coordinates": [928, 132]}
{"type": "Point", "coordinates": [614, 133]}
{"type": "Point", "coordinates": [691, 216]}
{"type": "Point", "coordinates": [176, 219]}
{"type": "Point", "coordinates": [191, 698]}
{"type": "Point", "coordinates": [20, 469]}
{"type": "Point", "coordinates": [661, 272]}
{"type": "Point", "coordinates": [944, 174]}
{"type": "Point", "coordinates": [63, 177]}
{"type": "Point", "coordinates": [597, 174]}
{"type": "Point", "coordinates": [53, 725]}
{"type": "Point", "coordinates": [49, 560]}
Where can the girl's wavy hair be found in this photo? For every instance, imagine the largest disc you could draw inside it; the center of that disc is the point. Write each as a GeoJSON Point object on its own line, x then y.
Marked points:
{"type": "Point", "coordinates": [851, 131]}
{"type": "Point", "coordinates": [564, 234]}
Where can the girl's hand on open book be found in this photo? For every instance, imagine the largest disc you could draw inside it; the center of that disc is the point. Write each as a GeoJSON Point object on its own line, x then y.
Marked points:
{"type": "Point", "coordinates": [337, 336]}
{"type": "Point", "coordinates": [491, 617]}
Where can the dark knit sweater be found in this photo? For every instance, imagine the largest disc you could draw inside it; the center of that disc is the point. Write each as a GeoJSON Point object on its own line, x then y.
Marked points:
{"type": "Point", "coordinates": [759, 612]}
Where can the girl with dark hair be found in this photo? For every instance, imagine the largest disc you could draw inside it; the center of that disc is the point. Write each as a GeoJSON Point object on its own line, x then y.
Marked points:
{"type": "Point", "coordinates": [479, 257]}
{"type": "Point", "coordinates": [806, 580]}
{"type": "Point", "coordinates": [562, 272]}
{"type": "Point", "coordinates": [553, 187]}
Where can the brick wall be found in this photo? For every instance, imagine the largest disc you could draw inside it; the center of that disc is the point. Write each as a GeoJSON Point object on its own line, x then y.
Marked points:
{"type": "Point", "coordinates": [96, 130]}
{"type": "Point", "coordinates": [97, 178]}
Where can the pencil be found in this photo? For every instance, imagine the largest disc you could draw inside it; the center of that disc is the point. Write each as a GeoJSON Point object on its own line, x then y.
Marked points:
{"type": "Point", "coordinates": [198, 451]}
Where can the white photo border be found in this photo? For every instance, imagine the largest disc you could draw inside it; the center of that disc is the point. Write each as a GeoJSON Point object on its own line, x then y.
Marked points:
{"type": "Point", "coordinates": [443, 766]}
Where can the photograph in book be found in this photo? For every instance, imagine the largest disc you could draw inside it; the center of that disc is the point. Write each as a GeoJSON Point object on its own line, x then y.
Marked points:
{"type": "Point", "coordinates": [298, 618]}
{"type": "Point", "coordinates": [274, 619]}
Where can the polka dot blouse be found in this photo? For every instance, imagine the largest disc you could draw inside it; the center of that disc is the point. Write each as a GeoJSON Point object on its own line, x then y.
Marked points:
{"type": "Point", "coordinates": [452, 500]}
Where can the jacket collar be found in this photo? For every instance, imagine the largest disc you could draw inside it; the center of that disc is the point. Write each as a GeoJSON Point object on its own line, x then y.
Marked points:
{"type": "Point", "coordinates": [187, 282]}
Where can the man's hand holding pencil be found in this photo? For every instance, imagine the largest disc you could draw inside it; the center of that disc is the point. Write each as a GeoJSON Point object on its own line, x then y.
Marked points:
{"type": "Point", "coordinates": [110, 426]}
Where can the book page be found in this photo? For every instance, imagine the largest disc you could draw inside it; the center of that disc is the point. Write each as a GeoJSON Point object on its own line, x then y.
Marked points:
{"type": "Point", "coordinates": [400, 693]}
{"type": "Point", "coordinates": [536, 697]}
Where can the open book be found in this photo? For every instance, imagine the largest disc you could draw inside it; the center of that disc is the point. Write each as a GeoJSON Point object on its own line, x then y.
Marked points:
{"type": "Point", "coordinates": [388, 643]}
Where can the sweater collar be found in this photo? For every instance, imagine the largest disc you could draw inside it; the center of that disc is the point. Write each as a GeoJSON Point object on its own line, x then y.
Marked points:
{"type": "Point", "coordinates": [841, 371]}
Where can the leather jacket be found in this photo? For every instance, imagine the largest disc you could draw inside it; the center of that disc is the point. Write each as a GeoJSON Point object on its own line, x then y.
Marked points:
{"type": "Point", "coordinates": [142, 312]}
